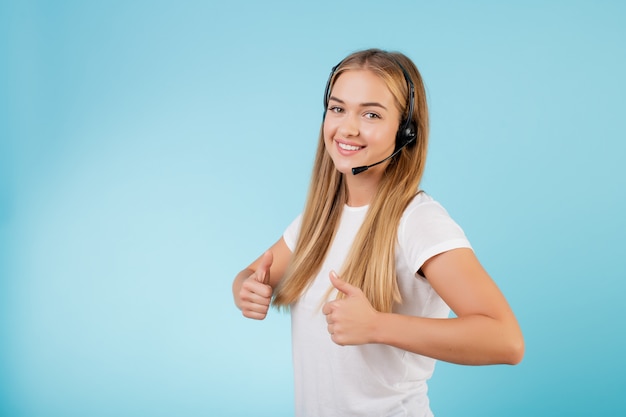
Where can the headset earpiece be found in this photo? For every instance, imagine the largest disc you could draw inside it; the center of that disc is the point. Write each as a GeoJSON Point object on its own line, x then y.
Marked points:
{"type": "Point", "coordinates": [407, 132]}
{"type": "Point", "coordinates": [405, 136]}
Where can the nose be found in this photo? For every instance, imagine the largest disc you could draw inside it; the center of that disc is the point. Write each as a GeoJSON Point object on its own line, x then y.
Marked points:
{"type": "Point", "coordinates": [349, 126]}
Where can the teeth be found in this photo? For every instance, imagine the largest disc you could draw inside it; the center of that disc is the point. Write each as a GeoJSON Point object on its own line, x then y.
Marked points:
{"type": "Point", "coordinates": [348, 147]}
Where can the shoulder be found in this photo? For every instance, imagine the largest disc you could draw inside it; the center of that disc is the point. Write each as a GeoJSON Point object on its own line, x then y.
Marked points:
{"type": "Point", "coordinates": [424, 210]}
{"type": "Point", "coordinates": [426, 229]}
{"type": "Point", "coordinates": [291, 233]}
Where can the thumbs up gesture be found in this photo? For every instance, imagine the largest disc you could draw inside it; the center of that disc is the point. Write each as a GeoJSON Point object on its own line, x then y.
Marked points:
{"type": "Point", "coordinates": [351, 320]}
{"type": "Point", "coordinates": [256, 293]}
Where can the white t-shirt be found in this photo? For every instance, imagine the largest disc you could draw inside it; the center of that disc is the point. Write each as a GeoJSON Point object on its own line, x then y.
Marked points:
{"type": "Point", "coordinates": [373, 379]}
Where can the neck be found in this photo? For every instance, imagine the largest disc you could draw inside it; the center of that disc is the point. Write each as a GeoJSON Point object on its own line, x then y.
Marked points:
{"type": "Point", "coordinates": [362, 188]}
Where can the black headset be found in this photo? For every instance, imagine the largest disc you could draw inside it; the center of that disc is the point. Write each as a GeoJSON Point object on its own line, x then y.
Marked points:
{"type": "Point", "coordinates": [407, 132]}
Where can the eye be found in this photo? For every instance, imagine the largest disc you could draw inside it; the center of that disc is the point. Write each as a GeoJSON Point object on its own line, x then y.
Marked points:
{"type": "Point", "coordinates": [335, 109]}
{"type": "Point", "coordinates": [370, 115]}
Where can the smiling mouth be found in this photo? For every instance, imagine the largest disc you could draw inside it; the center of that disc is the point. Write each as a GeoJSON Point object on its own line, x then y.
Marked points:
{"type": "Point", "coordinates": [348, 147]}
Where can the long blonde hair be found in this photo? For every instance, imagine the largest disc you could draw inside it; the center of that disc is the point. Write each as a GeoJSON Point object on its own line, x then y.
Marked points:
{"type": "Point", "coordinates": [370, 264]}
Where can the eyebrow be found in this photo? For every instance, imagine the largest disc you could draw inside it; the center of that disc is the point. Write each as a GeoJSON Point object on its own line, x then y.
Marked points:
{"type": "Point", "coordinates": [367, 104]}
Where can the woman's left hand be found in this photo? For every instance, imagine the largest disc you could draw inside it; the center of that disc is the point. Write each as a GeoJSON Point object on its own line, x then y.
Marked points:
{"type": "Point", "coordinates": [351, 320]}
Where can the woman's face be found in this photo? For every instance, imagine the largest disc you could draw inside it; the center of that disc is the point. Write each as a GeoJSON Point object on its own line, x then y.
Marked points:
{"type": "Point", "coordinates": [361, 121]}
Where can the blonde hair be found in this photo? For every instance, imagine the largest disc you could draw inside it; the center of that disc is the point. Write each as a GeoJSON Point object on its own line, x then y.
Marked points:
{"type": "Point", "coordinates": [370, 264]}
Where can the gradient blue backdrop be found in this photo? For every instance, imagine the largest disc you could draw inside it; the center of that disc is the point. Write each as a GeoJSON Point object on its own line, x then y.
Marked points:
{"type": "Point", "coordinates": [149, 150]}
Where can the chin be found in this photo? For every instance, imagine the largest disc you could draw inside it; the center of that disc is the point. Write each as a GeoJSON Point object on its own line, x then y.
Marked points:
{"type": "Point", "coordinates": [345, 168]}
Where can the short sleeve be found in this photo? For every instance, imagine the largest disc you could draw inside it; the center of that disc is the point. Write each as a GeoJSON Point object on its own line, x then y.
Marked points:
{"type": "Point", "coordinates": [426, 230]}
{"type": "Point", "coordinates": [291, 233]}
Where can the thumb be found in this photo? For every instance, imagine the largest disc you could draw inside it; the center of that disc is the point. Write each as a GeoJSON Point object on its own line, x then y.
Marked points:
{"type": "Point", "coordinates": [341, 285]}
{"type": "Point", "coordinates": [263, 271]}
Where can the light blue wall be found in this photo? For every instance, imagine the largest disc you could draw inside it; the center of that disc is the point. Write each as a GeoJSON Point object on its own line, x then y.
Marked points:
{"type": "Point", "coordinates": [150, 150]}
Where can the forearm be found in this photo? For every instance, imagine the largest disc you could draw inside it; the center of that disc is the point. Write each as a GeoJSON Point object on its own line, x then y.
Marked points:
{"type": "Point", "coordinates": [469, 340]}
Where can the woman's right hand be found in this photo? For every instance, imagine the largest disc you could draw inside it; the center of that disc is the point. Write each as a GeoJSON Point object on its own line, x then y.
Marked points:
{"type": "Point", "coordinates": [255, 294]}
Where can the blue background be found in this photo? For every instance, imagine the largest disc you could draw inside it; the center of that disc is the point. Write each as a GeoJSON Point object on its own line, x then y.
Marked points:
{"type": "Point", "coordinates": [150, 150]}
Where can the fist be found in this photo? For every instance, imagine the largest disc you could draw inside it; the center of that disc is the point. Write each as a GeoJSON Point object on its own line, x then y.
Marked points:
{"type": "Point", "coordinates": [256, 294]}
{"type": "Point", "coordinates": [350, 319]}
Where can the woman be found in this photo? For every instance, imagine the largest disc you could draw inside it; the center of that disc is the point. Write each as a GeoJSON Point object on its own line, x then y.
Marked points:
{"type": "Point", "coordinates": [365, 339]}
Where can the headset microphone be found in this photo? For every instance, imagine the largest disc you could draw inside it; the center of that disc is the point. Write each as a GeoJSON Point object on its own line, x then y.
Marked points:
{"type": "Point", "coordinates": [358, 170]}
